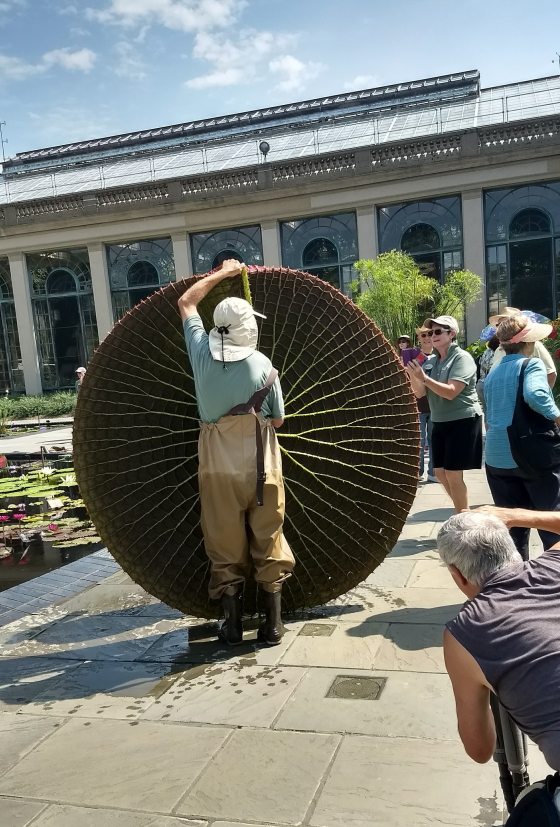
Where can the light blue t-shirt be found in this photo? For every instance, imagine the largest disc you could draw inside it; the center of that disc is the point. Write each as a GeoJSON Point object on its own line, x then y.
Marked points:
{"type": "Point", "coordinates": [500, 391]}
{"type": "Point", "coordinates": [218, 390]}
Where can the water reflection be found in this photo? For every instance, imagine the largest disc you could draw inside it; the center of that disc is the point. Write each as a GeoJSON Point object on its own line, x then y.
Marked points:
{"type": "Point", "coordinates": [26, 560]}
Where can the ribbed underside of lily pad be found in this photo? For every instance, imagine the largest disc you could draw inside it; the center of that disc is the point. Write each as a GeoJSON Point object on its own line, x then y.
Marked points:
{"type": "Point", "coordinates": [349, 444]}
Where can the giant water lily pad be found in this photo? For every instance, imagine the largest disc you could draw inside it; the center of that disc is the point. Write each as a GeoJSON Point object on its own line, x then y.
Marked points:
{"type": "Point", "coordinates": [349, 444]}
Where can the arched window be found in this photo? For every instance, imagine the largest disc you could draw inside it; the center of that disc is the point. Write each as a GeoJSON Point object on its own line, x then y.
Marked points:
{"type": "Point", "coordinates": [326, 246]}
{"type": "Point", "coordinates": [420, 238]}
{"type": "Point", "coordinates": [223, 255]}
{"type": "Point", "coordinates": [60, 281]}
{"type": "Point", "coordinates": [210, 249]}
{"type": "Point", "coordinates": [529, 222]}
{"type": "Point", "coordinates": [64, 313]}
{"type": "Point", "coordinates": [321, 258]}
{"type": "Point", "coordinates": [319, 252]}
{"type": "Point", "coordinates": [142, 273]}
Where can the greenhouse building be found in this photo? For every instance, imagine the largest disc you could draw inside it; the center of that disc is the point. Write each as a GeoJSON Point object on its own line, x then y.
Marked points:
{"type": "Point", "coordinates": [456, 175]}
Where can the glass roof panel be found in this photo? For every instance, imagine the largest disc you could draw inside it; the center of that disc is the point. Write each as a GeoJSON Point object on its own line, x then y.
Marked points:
{"type": "Point", "coordinates": [347, 129]}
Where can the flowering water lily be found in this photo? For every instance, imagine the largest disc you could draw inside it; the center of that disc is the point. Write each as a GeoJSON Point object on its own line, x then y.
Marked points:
{"type": "Point", "coordinates": [47, 471]}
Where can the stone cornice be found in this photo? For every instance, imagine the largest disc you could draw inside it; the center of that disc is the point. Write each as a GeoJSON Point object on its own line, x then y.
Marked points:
{"type": "Point", "coordinates": [450, 152]}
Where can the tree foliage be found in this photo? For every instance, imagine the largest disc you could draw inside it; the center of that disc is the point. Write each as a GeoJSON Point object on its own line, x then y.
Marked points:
{"type": "Point", "coordinates": [398, 297]}
{"type": "Point", "coordinates": [393, 293]}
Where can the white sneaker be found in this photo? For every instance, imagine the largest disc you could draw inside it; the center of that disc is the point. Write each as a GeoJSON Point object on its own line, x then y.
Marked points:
{"type": "Point", "coordinates": [422, 478]}
{"type": "Point", "coordinates": [431, 478]}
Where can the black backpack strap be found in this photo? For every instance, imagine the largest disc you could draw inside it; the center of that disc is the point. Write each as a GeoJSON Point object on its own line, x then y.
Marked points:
{"type": "Point", "coordinates": [255, 403]}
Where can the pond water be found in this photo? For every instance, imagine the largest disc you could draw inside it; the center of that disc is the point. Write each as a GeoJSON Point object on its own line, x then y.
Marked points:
{"type": "Point", "coordinates": [43, 523]}
{"type": "Point", "coordinates": [17, 566]}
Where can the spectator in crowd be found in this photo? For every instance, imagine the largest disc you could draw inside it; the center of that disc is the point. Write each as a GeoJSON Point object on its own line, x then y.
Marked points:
{"type": "Point", "coordinates": [509, 486]}
{"type": "Point", "coordinates": [403, 343]}
{"type": "Point", "coordinates": [426, 359]}
{"type": "Point", "coordinates": [484, 366]}
{"type": "Point", "coordinates": [454, 408]}
{"type": "Point", "coordinates": [80, 373]}
{"type": "Point", "coordinates": [505, 638]}
{"type": "Point", "coordinates": [540, 351]}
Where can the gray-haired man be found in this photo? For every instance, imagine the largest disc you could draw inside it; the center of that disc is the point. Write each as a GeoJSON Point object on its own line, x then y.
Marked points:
{"type": "Point", "coordinates": [505, 638]}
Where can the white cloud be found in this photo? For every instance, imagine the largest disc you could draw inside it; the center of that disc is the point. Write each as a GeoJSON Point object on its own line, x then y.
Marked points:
{"type": "Point", "coordinates": [361, 82]}
{"type": "Point", "coordinates": [128, 64]}
{"type": "Point", "coordinates": [81, 60]}
{"type": "Point", "coordinates": [11, 6]}
{"type": "Point", "coordinates": [237, 61]}
{"type": "Point", "coordinates": [180, 15]}
{"type": "Point", "coordinates": [293, 73]}
{"type": "Point", "coordinates": [14, 68]}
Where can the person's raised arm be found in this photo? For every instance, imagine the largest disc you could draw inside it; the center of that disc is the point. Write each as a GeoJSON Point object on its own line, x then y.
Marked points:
{"type": "Point", "coordinates": [190, 299]}
{"type": "Point", "coordinates": [525, 518]}
{"type": "Point", "coordinates": [472, 700]}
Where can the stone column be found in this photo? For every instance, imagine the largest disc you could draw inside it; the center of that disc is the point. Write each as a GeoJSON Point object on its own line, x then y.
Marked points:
{"type": "Point", "coordinates": [473, 245]}
{"type": "Point", "coordinates": [367, 232]}
{"type": "Point", "coordinates": [26, 328]}
{"type": "Point", "coordinates": [101, 289]}
{"type": "Point", "coordinates": [272, 253]}
{"type": "Point", "coordinates": [181, 256]}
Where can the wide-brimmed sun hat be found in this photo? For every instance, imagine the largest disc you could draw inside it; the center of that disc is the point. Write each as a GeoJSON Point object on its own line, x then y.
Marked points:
{"type": "Point", "coordinates": [80, 370]}
{"type": "Point", "coordinates": [444, 321]}
{"type": "Point", "coordinates": [235, 334]}
{"type": "Point", "coordinates": [531, 332]}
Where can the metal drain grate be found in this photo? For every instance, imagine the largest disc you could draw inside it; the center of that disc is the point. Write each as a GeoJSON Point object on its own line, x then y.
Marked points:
{"type": "Point", "coordinates": [356, 688]}
{"type": "Point", "coordinates": [317, 630]}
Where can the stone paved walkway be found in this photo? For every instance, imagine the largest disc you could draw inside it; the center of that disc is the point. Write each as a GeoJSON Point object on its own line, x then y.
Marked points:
{"type": "Point", "coordinates": [115, 711]}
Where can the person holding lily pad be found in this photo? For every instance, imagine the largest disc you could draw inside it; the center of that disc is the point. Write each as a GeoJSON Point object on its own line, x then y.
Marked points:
{"type": "Point", "coordinates": [240, 479]}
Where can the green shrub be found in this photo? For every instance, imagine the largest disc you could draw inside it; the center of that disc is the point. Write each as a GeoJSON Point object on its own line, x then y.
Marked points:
{"type": "Point", "coordinates": [32, 407]}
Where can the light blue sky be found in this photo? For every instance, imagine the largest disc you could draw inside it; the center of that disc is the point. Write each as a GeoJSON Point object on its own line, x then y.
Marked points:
{"type": "Point", "coordinates": [77, 69]}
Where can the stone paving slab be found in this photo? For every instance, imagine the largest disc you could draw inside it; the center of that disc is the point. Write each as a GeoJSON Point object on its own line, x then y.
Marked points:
{"type": "Point", "coordinates": [392, 573]}
{"type": "Point", "coordinates": [115, 764]}
{"type": "Point", "coordinates": [228, 694]}
{"type": "Point", "coordinates": [16, 813]}
{"type": "Point", "coordinates": [385, 782]}
{"type": "Point", "coordinates": [19, 734]}
{"type": "Point", "coordinates": [341, 648]}
{"type": "Point", "coordinates": [412, 648]}
{"type": "Point", "coordinates": [92, 637]}
{"type": "Point", "coordinates": [22, 679]}
{"type": "Point", "coordinates": [68, 816]}
{"type": "Point", "coordinates": [410, 706]}
{"type": "Point", "coordinates": [367, 604]}
{"type": "Point", "coordinates": [262, 776]}
{"type": "Point", "coordinates": [104, 690]}
{"type": "Point", "coordinates": [429, 574]}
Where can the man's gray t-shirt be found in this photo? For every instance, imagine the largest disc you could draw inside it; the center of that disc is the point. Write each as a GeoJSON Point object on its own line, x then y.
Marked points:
{"type": "Point", "coordinates": [218, 390]}
{"type": "Point", "coordinates": [511, 630]}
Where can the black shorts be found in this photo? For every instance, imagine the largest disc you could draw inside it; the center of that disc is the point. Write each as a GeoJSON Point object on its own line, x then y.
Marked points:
{"type": "Point", "coordinates": [457, 446]}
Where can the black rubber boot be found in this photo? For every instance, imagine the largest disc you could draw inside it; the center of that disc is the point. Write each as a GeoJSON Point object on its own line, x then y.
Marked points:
{"type": "Point", "coordinates": [271, 631]}
{"type": "Point", "coordinates": [231, 630]}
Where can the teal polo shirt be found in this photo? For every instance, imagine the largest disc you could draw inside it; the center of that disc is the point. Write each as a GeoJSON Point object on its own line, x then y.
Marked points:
{"type": "Point", "coordinates": [458, 364]}
{"type": "Point", "coordinates": [218, 390]}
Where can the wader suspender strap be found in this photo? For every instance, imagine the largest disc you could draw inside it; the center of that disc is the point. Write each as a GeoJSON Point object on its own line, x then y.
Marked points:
{"type": "Point", "coordinates": [253, 406]}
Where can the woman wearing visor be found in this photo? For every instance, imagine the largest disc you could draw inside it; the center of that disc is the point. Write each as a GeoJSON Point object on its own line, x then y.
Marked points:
{"type": "Point", "coordinates": [454, 408]}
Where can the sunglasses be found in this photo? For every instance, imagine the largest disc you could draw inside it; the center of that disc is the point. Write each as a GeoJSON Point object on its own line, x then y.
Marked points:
{"type": "Point", "coordinates": [439, 330]}
{"type": "Point", "coordinates": [426, 335]}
